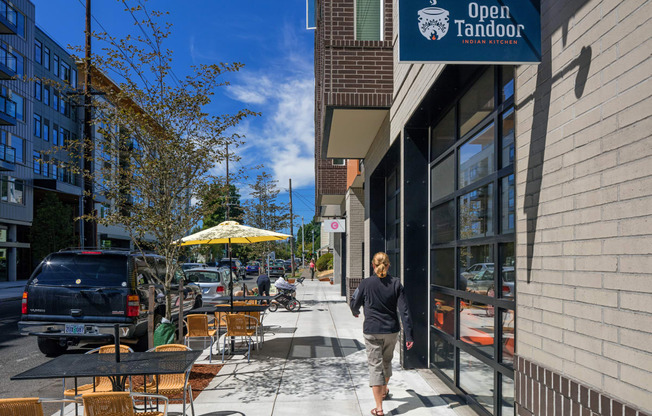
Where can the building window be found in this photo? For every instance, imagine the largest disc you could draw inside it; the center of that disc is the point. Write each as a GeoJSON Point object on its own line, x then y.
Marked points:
{"type": "Point", "coordinates": [55, 100]}
{"type": "Point", "coordinates": [55, 65]}
{"type": "Point", "coordinates": [46, 130]}
{"type": "Point", "coordinates": [55, 169]}
{"type": "Point", "coordinates": [472, 211]}
{"type": "Point", "coordinates": [46, 57]}
{"type": "Point", "coordinates": [37, 125]}
{"type": "Point", "coordinates": [20, 105]}
{"type": "Point", "coordinates": [339, 162]}
{"type": "Point", "coordinates": [65, 137]}
{"type": "Point", "coordinates": [46, 95]}
{"type": "Point", "coordinates": [38, 51]}
{"type": "Point", "coordinates": [38, 89]}
{"type": "Point", "coordinates": [368, 20]}
{"type": "Point", "coordinates": [12, 190]}
{"type": "Point", "coordinates": [73, 78]}
{"type": "Point", "coordinates": [19, 147]}
{"type": "Point", "coordinates": [55, 134]}
{"type": "Point", "coordinates": [65, 71]}
{"type": "Point", "coordinates": [36, 159]}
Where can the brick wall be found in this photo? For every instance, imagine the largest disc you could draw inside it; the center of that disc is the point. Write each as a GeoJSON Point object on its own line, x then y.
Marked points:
{"type": "Point", "coordinates": [584, 207]}
{"type": "Point", "coordinates": [348, 73]}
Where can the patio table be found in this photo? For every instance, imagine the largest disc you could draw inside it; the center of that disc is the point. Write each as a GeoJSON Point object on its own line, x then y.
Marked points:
{"type": "Point", "coordinates": [97, 365]}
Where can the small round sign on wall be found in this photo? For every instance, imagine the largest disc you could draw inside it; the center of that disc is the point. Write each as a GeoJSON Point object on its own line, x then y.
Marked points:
{"type": "Point", "coordinates": [334, 225]}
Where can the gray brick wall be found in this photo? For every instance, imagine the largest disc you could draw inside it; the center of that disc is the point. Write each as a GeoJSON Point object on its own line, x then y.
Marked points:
{"type": "Point", "coordinates": [584, 199]}
{"type": "Point", "coordinates": [355, 234]}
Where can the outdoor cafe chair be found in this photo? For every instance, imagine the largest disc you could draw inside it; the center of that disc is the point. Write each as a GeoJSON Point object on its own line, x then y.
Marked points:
{"type": "Point", "coordinates": [99, 384]}
{"type": "Point", "coordinates": [167, 384]}
{"type": "Point", "coordinates": [26, 406]}
{"type": "Point", "coordinates": [237, 325]}
{"type": "Point", "coordinates": [197, 325]}
{"type": "Point", "coordinates": [118, 404]}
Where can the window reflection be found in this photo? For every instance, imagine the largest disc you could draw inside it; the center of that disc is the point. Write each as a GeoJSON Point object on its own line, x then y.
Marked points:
{"type": "Point", "coordinates": [442, 180]}
{"type": "Point", "coordinates": [507, 401]}
{"type": "Point", "coordinates": [477, 379]}
{"type": "Point", "coordinates": [507, 321]}
{"type": "Point", "coordinates": [477, 157]}
{"type": "Point", "coordinates": [477, 269]}
{"type": "Point", "coordinates": [476, 213]}
{"type": "Point", "coordinates": [507, 204]}
{"type": "Point", "coordinates": [442, 355]}
{"type": "Point", "coordinates": [507, 270]}
{"type": "Point", "coordinates": [507, 156]}
{"type": "Point", "coordinates": [477, 326]}
{"type": "Point", "coordinates": [507, 82]}
{"type": "Point", "coordinates": [477, 103]}
{"type": "Point", "coordinates": [443, 135]}
{"type": "Point", "coordinates": [443, 222]}
{"type": "Point", "coordinates": [443, 267]}
{"type": "Point", "coordinates": [443, 312]}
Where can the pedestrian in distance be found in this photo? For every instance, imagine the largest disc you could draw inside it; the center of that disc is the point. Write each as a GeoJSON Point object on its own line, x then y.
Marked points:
{"type": "Point", "coordinates": [312, 269]}
{"type": "Point", "coordinates": [383, 299]}
{"type": "Point", "coordinates": [263, 285]}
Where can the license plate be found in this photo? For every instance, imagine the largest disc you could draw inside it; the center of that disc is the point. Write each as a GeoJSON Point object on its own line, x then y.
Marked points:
{"type": "Point", "coordinates": [74, 329]}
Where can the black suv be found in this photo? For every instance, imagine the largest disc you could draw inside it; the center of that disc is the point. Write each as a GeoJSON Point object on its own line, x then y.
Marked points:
{"type": "Point", "coordinates": [79, 295]}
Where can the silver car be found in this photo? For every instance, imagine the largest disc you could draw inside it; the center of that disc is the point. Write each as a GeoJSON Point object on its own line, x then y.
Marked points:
{"type": "Point", "coordinates": [214, 283]}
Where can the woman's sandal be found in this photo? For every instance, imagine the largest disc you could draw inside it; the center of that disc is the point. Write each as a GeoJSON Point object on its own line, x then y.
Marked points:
{"type": "Point", "coordinates": [376, 412]}
{"type": "Point", "coordinates": [387, 396]}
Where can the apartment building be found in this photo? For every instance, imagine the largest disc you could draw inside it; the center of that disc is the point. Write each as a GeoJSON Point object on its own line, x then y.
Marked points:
{"type": "Point", "coordinates": [513, 199]}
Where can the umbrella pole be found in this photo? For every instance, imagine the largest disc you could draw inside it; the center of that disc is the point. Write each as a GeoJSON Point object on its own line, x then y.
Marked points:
{"type": "Point", "coordinates": [230, 273]}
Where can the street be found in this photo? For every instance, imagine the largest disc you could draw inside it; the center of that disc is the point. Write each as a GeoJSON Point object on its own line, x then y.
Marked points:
{"type": "Point", "coordinates": [20, 353]}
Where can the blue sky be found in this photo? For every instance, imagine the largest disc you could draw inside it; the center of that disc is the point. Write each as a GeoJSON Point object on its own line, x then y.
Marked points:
{"type": "Point", "coordinates": [269, 37]}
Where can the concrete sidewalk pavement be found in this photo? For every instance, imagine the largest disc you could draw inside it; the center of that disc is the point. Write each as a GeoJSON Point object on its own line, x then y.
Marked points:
{"type": "Point", "coordinates": [313, 362]}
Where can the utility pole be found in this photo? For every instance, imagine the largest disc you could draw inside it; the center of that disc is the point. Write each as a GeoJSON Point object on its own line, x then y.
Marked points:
{"type": "Point", "coordinates": [291, 229]}
{"type": "Point", "coordinates": [303, 245]}
{"type": "Point", "coordinates": [314, 252]}
{"type": "Point", "coordinates": [88, 227]}
{"type": "Point", "coordinates": [228, 191]}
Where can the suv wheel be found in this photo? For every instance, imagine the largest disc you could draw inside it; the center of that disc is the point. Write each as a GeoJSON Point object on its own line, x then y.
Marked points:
{"type": "Point", "coordinates": [51, 347]}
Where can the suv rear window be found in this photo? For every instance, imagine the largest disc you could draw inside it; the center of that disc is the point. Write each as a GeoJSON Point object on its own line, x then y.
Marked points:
{"type": "Point", "coordinates": [83, 270]}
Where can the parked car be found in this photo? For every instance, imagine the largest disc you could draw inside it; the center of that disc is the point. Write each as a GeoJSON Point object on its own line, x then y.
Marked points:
{"type": "Point", "coordinates": [276, 268]}
{"type": "Point", "coordinates": [288, 266]}
{"type": "Point", "coordinates": [214, 282]}
{"type": "Point", "coordinates": [79, 295]}
{"type": "Point", "coordinates": [253, 267]}
{"type": "Point", "coordinates": [187, 266]}
{"type": "Point", "coordinates": [236, 266]}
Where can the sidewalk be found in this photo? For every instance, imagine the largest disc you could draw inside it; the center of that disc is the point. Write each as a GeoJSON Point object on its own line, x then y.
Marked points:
{"type": "Point", "coordinates": [313, 362]}
{"type": "Point", "coordinates": [11, 290]}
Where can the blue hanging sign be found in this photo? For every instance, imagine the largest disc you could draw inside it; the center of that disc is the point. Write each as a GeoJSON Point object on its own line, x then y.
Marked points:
{"type": "Point", "coordinates": [463, 31]}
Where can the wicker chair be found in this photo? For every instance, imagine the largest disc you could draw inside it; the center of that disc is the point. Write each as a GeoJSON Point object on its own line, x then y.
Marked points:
{"type": "Point", "coordinates": [238, 325]}
{"type": "Point", "coordinates": [197, 325]}
{"type": "Point", "coordinates": [166, 384]}
{"type": "Point", "coordinates": [26, 406]}
{"type": "Point", "coordinates": [118, 404]}
{"type": "Point", "coordinates": [99, 384]}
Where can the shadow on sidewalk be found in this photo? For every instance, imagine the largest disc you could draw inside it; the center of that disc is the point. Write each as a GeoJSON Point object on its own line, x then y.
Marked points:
{"type": "Point", "coordinates": [426, 402]}
{"type": "Point", "coordinates": [311, 347]}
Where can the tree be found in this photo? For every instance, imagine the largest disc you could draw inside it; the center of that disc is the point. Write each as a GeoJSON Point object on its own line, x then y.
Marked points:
{"type": "Point", "coordinates": [155, 143]}
{"type": "Point", "coordinates": [311, 227]}
{"type": "Point", "coordinates": [264, 210]}
{"type": "Point", "coordinates": [52, 227]}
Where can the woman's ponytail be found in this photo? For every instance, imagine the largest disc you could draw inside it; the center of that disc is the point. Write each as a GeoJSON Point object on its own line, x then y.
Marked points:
{"type": "Point", "coordinates": [381, 264]}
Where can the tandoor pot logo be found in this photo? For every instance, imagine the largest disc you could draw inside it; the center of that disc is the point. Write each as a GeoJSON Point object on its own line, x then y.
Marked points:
{"type": "Point", "coordinates": [433, 22]}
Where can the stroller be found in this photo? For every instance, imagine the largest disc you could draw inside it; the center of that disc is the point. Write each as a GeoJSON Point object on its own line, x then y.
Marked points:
{"type": "Point", "coordinates": [286, 297]}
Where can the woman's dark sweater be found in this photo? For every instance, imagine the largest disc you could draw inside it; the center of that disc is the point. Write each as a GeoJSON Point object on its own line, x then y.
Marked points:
{"type": "Point", "coordinates": [383, 301]}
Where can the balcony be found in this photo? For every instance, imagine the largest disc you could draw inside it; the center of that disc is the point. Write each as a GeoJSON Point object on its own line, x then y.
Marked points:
{"type": "Point", "coordinates": [7, 112]}
{"type": "Point", "coordinates": [354, 81]}
{"type": "Point", "coordinates": [8, 19]}
{"type": "Point", "coordinates": [7, 65]}
{"type": "Point", "coordinates": [7, 158]}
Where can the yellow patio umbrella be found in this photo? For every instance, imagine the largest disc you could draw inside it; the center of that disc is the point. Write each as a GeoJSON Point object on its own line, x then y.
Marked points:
{"type": "Point", "coordinates": [229, 232]}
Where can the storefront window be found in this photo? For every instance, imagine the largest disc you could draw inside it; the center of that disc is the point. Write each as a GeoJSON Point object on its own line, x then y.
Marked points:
{"type": "Point", "coordinates": [442, 180]}
{"type": "Point", "coordinates": [477, 325]}
{"type": "Point", "coordinates": [507, 321]}
{"type": "Point", "coordinates": [443, 312]}
{"type": "Point", "coordinates": [476, 213]}
{"type": "Point", "coordinates": [477, 266]}
{"type": "Point", "coordinates": [507, 90]}
{"type": "Point", "coordinates": [507, 400]}
{"type": "Point", "coordinates": [442, 356]}
{"type": "Point", "coordinates": [507, 271]}
{"type": "Point", "coordinates": [442, 224]}
{"type": "Point", "coordinates": [507, 155]}
{"type": "Point", "coordinates": [507, 204]}
{"type": "Point", "coordinates": [478, 102]}
{"type": "Point", "coordinates": [477, 157]}
{"type": "Point", "coordinates": [443, 267]}
{"type": "Point", "coordinates": [443, 135]}
{"type": "Point", "coordinates": [477, 379]}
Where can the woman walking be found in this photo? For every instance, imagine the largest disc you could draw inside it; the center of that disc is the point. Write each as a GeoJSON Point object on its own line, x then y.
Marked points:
{"type": "Point", "coordinates": [383, 300]}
